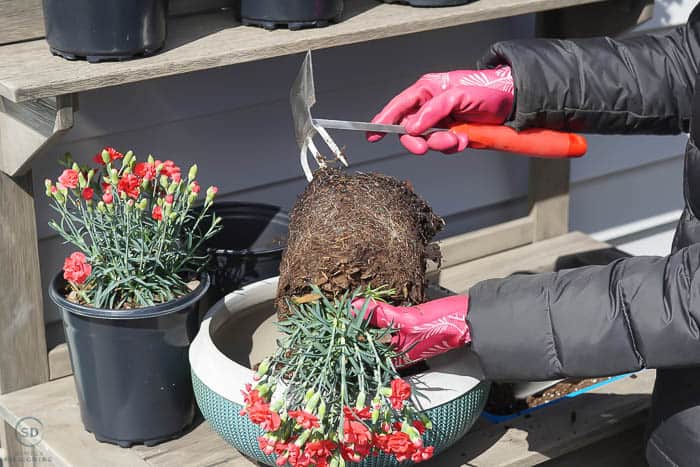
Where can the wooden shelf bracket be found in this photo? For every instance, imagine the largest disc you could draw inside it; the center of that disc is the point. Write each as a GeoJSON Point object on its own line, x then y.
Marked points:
{"type": "Point", "coordinates": [27, 127]}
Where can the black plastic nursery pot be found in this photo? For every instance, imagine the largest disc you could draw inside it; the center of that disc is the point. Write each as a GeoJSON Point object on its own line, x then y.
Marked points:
{"type": "Point", "coordinates": [430, 3]}
{"type": "Point", "coordinates": [294, 14]}
{"type": "Point", "coordinates": [131, 367]}
{"type": "Point", "coordinates": [249, 246]}
{"type": "Point", "coordinates": [105, 29]}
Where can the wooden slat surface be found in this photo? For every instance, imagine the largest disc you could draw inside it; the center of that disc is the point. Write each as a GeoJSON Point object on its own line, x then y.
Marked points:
{"type": "Point", "coordinates": [537, 257]}
{"type": "Point", "coordinates": [20, 20]}
{"type": "Point", "coordinates": [554, 431]}
{"type": "Point", "coordinates": [28, 71]}
{"type": "Point", "coordinates": [23, 360]}
{"type": "Point", "coordinates": [546, 434]}
{"type": "Point", "coordinates": [59, 362]}
{"type": "Point", "coordinates": [483, 242]}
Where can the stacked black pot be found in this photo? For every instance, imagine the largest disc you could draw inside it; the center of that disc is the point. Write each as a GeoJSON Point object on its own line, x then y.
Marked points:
{"type": "Point", "coordinates": [106, 29]}
{"type": "Point", "coordinates": [294, 14]}
{"type": "Point", "coordinates": [249, 246]}
{"type": "Point", "coordinates": [430, 3]}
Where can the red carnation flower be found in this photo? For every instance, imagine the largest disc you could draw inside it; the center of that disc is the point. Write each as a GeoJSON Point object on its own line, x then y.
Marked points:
{"type": "Point", "coordinates": [108, 197]}
{"type": "Point", "coordinates": [289, 455]}
{"type": "Point", "coordinates": [129, 184]}
{"type": "Point", "coordinates": [69, 178]}
{"type": "Point", "coordinates": [87, 193]}
{"type": "Point", "coordinates": [76, 268]}
{"type": "Point", "coordinates": [251, 396]}
{"type": "Point", "coordinates": [423, 454]}
{"type": "Point", "coordinates": [169, 199]}
{"type": "Point", "coordinates": [320, 449]}
{"type": "Point", "coordinates": [356, 432]}
{"type": "Point", "coordinates": [363, 414]}
{"type": "Point", "coordinates": [157, 213]}
{"type": "Point", "coordinates": [113, 155]}
{"type": "Point", "coordinates": [267, 446]}
{"type": "Point", "coordinates": [400, 392]}
{"type": "Point", "coordinates": [420, 426]}
{"type": "Point", "coordinates": [305, 419]}
{"type": "Point", "coordinates": [195, 187]}
{"type": "Point", "coordinates": [145, 170]}
{"type": "Point", "coordinates": [169, 168]}
{"type": "Point", "coordinates": [260, 414]}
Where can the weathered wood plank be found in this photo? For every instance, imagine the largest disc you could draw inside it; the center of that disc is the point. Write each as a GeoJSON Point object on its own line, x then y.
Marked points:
{"type": "Point", "coordinates": [59, 362]}
{"type": "Point", "coordinates": [552, 432]}
{"type": "Point", "coordinates": [28, 71]}
{"type": "Point", "coordinates": [483, 242]}
{"type": "Point", "coordinates": [201, 447]}
{"type": "Point", "coordinates": [20, 20]}
{"type": "Point", "coordinates": [627, 448]}
{"type": "Point", "coordinates": [27, 127]}
{"type": "Point", "coordinates": [67, 443]}
{"type": "Point", "coordinates": [22, 340]}
{"type": "Point", "coordinates": [544, 435]}
{"type": "Point", "coordinates": [64, 439]}
{"type": "Point", "coordinates": [537, 257]}
{"type": "Point", "coordinates": [549, 197]}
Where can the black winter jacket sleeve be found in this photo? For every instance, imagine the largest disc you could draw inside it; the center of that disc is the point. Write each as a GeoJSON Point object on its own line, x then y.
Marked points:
{"type": "Point", "coordinates": [641, 84]}
{"type": "Point", "coordinates": [634, 313]}
{"type": "Point", "coordinates": [598, 320]}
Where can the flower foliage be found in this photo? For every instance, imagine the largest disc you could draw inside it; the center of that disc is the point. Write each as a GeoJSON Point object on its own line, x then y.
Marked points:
{"type": "Point", "coordinates": [331, 394]}
{"type": "Point", "coordinates": [135, 226]}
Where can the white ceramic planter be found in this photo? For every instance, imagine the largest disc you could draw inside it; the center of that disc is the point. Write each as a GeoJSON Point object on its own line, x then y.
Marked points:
{"type": "Point", "coordinates": [240, 331]}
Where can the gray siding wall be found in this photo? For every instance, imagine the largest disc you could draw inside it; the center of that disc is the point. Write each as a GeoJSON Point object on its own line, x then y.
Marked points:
{"type": "Point", "coordinates": [235, 123]}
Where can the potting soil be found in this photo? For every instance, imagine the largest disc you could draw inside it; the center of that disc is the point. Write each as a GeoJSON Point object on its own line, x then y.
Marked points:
{"type": "Point", "coordinates": [351, 230]}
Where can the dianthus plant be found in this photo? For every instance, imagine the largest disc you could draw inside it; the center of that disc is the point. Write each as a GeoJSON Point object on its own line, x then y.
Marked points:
{"type": "Point", "coordinates": [331, 394]}
{"type": "Point", "coordinates": [138, 233]}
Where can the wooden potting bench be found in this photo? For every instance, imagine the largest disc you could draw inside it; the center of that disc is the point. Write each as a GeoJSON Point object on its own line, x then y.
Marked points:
{"type": "Point", "coordinates": [39, 95]}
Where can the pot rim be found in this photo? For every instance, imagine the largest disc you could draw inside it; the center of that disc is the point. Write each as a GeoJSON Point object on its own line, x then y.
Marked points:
{"type": "Point", "coordinates": [224, 208]}
{"type": "Point", "coordinates": [155, 311]}
{"type": "Point", "coordinates": [451, 375]}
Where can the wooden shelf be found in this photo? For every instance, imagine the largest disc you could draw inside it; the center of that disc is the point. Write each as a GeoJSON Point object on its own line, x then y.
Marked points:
{"type": "Point", "coordinates": [28, 71]}
{"type": "Point", "coordinates": [545, 434]}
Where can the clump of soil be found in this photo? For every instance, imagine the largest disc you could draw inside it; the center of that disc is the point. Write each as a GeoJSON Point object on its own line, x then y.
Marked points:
{"type": "Point", "coordinates": [503, 402]}
{"type": "Point", "coordinates": [352, 230]}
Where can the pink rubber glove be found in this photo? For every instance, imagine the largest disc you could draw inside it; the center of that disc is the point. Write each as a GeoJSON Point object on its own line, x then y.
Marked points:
{"type": "Point", "coordinates": [424, 330]}
{"type": "Point", "coordinates": [440, 99]}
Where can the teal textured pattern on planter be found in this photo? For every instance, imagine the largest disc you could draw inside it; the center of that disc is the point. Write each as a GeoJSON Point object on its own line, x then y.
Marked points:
{"type": "Point", "coordinates": [451, 421]}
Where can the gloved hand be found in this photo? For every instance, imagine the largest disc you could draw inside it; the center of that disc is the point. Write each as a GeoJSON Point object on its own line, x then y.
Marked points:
{"type": "Point", "coordinates": [439, 99]}
{"type": "Point", "coordinates": [424, 330]}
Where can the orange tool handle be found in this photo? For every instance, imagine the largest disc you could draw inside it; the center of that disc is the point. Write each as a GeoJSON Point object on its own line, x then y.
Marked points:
{"type": "Point", "coordinates": [534, 142]}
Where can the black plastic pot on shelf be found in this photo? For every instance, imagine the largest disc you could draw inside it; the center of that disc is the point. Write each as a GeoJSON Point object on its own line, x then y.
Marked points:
{"type": "Point", "coordinates": [294, 14]}
{"type": "Point", "coordinates": [249, 246]}
{"type": "Point", "coordinates": [430, 3]}
{"type": "Point", "coordinates": [106, 29]}
{"type": "Point", "coordinates": [131, 367]}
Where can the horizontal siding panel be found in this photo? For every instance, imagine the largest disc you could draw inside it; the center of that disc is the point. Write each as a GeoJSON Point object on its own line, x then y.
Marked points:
{"type": "Point", "coordinates": [638, 193]}
{"type": "Point", "coordinates": [608, 154]}
{"type": "Point", "coordinates": [373, 72]}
